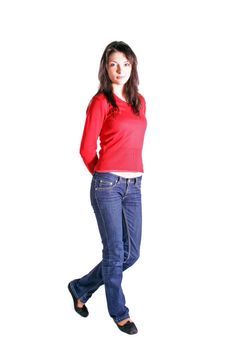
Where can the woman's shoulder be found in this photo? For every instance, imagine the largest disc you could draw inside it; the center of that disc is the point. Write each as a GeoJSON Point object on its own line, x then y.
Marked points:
{"type": "Point", "coordinates": [98, 100]}
{"type": "Point", "coordinates": [143, 103]}
{"type": "Point", "coordinates": [142, 98]}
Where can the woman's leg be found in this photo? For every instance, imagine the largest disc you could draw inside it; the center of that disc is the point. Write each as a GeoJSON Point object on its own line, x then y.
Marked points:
{"type": "Point", "coordinates": [84, 287]}
{"type": "Point", "coordinates": [132, 222]}
{"type": "Point", "coordinates": [106, 196]}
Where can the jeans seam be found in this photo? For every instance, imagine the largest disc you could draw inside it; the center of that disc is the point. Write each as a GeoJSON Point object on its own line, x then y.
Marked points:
{"type": "Point", "coordinates": [128, 235]}
{"type": "Point", "coordinates": [103, 222]}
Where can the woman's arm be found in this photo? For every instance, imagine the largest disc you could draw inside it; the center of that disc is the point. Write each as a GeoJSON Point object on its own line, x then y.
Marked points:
{"type": "Point", "coordinates": [95, 115]}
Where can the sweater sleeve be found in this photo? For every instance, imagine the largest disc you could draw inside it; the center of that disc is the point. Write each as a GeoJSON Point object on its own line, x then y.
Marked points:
{"type": "Point", "coordinates": [95, 115]}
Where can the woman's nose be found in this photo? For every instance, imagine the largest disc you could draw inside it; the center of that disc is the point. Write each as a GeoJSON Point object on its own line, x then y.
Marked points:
{"type": "Point", "coordinates": [119, 69]}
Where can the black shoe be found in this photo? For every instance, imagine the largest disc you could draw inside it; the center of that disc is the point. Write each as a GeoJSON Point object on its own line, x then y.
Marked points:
{"type": "Point", "coordinates": [82, 311]}
{"type": "Point", "coordinates": [129, 328]}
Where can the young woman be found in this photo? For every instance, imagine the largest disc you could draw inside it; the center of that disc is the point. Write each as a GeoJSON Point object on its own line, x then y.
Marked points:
{"type": "Point", "coordinates": [116, 115]}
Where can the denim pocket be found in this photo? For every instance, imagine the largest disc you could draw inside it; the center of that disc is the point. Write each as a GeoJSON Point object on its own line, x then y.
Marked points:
{"type": "Point", "coordinates": [102, 184]}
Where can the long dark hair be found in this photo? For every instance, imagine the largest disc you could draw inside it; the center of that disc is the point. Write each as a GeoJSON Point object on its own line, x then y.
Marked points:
{"type": "Point", "coordinates": [131, 87]}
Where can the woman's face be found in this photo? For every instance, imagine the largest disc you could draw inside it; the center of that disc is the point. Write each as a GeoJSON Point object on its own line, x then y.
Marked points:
{"type": "Point", "coordinates": [118, 68]}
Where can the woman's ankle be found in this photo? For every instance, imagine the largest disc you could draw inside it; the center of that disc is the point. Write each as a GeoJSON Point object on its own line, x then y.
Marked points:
{"type": "Point", "coordinates": [80, 304]}
{"type": "Point", "coordinates": [123, 322]}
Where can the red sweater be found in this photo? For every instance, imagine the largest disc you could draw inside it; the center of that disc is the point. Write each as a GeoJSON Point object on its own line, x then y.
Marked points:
{"type": "Point", "coordinates": [121, 136]}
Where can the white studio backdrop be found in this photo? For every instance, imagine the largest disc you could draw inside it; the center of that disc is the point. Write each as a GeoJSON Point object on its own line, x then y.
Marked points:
{"type": "Point", "coordinates": [180, 291]}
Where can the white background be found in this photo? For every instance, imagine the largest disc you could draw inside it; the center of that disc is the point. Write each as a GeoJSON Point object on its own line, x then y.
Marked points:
{"type": "Point", "coordinates": [180, 291]}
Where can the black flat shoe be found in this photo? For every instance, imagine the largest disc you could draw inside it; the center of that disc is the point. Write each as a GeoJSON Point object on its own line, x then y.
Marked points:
{"type": "Point", "coordinates": [129, 328]}
{"type": "Point", "coordinates": [82, 311]}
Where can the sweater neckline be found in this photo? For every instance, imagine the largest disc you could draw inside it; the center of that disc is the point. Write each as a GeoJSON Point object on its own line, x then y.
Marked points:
{"type": "Point", "coordinates": [120, 99]}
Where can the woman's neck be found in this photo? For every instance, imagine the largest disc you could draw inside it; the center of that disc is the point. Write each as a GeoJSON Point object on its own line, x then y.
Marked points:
{"type": "Point", "coordinates": [119, 91]}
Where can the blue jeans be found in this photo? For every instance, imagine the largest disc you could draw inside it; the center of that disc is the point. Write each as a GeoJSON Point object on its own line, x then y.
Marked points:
{"type": "Point", "coordinates": [117, 205]}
